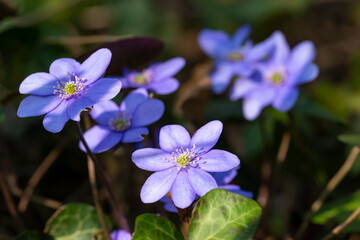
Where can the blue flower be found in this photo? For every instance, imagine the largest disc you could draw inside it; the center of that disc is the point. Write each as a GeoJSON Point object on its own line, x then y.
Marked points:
{"type": "Point", "coordinates": [120, 235]}
{"type": "Point", "coordinates": [233, 55]}
{"type": "Point", "coordinates": [157, 78]}
{"type": "Point", "coordinates": [222, 179]}
{"type": "Point", "coordinates": [182, 164]}
{"type": "Point", "coordinates": [275, 81]}
{"type": "Point", "coordinates": [122, 124]}
{"type": "Point", "coordinates": [68, 89]}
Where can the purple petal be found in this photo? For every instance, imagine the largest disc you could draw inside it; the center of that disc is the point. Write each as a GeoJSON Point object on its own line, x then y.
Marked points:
{"type": "Point", "coordinates": [55, 120]}
{"type": "Point", "coordinates": [120, 235]}
{"type": "Point", "coordinates": [285, 99]}
{"type": "Point", "coordinates": [173, 137]}
{"type": "Point", "coordinates": [103, 89]}
{"type": "Point", "coordinates": [95, 66]}
{"type": "Point", "coordinates": [308, 74]}
{"type": "Point", "coordinates": [164, 87]}
{"type": "Point", "coordinates": [134, 134]}
{"type": "Point", "coordinates": [64, 66]}
{"type": "Point", "coordinates": [210, 41]}
{"type": "Point", "coordinates": [147, 112]}
{"type": "Point", "coordinates": [102, 112]}
{"type": "Point", "coordinates": [241, 87]}
{"type": "Point", "coordinates": [157, 185]}
{"type": "Point", "coordinates": [218, 161]}
{"type": "Point", "coordinates": [260, 50]}
{"type": "Point", "coordinates": [223, 178]}
{"type": "Point", "coordinates": [241, 34]}
{"type": "Point", "coordinates": [76, 106]}
{"type": "Point", "coordinates": [182, 192]}
{"type": "Point", "coordinates": [202, 182]}
{"type": "Point", "coordinates": [221, 78]}
{"type": "Point", "coordinates": [132, 101]}
{"type": "Point", "coordinates": [100, 139]}
{"type": "Point", "coordinates": [256, 101]}
{"type": "Point", "coordinates": [168, 204]}
{"type": "Point", "coordinates": [125, 82]}
{"type": "Point", "coordinates": [38, 84]}
{"type": "Point", "coordinates": [236, 189]}
{"type": "Point", "coordinates": [206, 137]}
{"type": "Point", "coordinates": [168, 68]}
{"type": "Point", "coordinates": [301, 56]}
{"type": "Point", "coordinates": [152, 159]}
{"type": "Point", "coordinates": [281, 47]}
{"type": "Point", "coordinates": [38, 105]}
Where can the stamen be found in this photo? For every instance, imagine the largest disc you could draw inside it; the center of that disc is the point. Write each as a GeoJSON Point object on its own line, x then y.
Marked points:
{"type": "Point", "coordinates": [121, 122]}
{"type": "Point", "coordinates": [276, 77]}
{"type": "Point", "coordinates": [181, 157]}
{"type": "Point", "coordinates": [142, 78]}
{"type": "Point", "coordinates": [234, 56]}
{"type": "Point", "coordinates": [70, 88]}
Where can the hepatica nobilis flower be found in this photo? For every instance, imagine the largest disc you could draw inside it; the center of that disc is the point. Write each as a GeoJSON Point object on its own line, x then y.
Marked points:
{"type": "Point", "coordinates": [157, 78]}
{"type": "Point", "coordinates": [182, 164]}
{"type": "Point", "coordinates": [277, 79]}
{"type": "Point", "coordinates": [67, 89]}
{"type": "Point", "coordinates": [232, 55]}
{"type": "Point", "coordinates": [125, 123]}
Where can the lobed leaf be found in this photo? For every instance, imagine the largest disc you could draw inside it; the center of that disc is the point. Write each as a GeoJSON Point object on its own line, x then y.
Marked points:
{"type": "Point", "coordinates": [151, 226]}
{"type": "Point", "coordinates": [221, 214]}
{"type": "Point", "coordinates": [75, 221]}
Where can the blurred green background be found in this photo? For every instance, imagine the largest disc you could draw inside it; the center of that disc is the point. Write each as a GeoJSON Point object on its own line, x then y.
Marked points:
{"type": "Point", "coordinates": [35, 33]}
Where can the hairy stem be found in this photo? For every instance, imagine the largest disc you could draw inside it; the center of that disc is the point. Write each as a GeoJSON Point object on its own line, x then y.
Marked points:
{"type": "Point", "coordinates": [92, 180]}
{"type": "Point", "coordinates": [120, 219]}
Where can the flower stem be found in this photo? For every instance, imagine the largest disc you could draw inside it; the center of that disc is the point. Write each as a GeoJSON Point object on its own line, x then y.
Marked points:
{"type": "Point", "coordinates": [333, 183]}
{"type": "Point", "coordinates": [343, 225]}
{"type": "Point", "coordinates": [92, 180]}
{"type": "Point", "coordinates": [120, 219]}
{"type": "Point", "coordinates": [185, 216]}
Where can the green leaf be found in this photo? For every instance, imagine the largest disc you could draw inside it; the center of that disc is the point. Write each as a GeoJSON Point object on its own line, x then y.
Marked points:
{"type": "Point", "coordinates": [151, 226]}
{"type": "Point", "coordinates": [340, 210]}
{"type": "Point", "coordinates": [221, 214]}
{"type": "Point", "coordinates": [352, 139]}
{"type": "Point", "coordinates": [31, 235]}
{"type": "Point", "coordinates": [75, 221]}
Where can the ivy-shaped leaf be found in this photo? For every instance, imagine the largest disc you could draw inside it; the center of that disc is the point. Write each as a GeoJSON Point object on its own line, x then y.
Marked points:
{"type": "Point", "coordinates": [221, 214]}
{"type": "Point", "coordinates": [75, 221]}
{"type": "Point", "coordinates": [151, 226]}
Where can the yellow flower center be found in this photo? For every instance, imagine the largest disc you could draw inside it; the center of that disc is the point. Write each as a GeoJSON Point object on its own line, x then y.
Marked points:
{"type": "Point", "coordinates": [70, 88]}
{"type": "Point", "coordinates": [277, 78]}
{"type": "Point", "coordinates": [183, 159]}
{"type": "Point", "coordinates": [235, 56]}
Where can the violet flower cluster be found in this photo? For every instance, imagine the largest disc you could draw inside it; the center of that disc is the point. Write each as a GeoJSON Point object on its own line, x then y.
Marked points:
{"type": "Point", "coordinates": [266, 74]}
{"type": "Point", "coordinates": [67, 89]}
{"type": "Point", "coordinates": [157, 78]}
{"type": "Point", "coordinates": [125, 123]}
{"type": "Point", "coordinates": [182, 164]}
